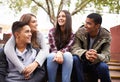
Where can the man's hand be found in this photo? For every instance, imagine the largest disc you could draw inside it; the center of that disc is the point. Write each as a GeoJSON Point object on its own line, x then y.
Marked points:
{"type": "Point", "coordinates": [91, 55]}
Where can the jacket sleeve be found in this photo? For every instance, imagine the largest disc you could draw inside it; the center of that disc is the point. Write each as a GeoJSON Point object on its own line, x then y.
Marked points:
{"type": "Point", "coordinates": [77, 46]}
{"type": "Point", "coordinates": [104, 55]}
{"type": "Point", "coordinates": [3, 66]}
{"type": "Point", "coordinates": [42, 54]}
{"type": "Point", "coordinates": [11, 55]}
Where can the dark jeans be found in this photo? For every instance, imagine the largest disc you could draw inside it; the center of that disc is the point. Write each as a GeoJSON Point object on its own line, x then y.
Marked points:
{"type": "Point", "coordinates": [93, 71]}
{"type": "Point", "coordinates": [39, 75]}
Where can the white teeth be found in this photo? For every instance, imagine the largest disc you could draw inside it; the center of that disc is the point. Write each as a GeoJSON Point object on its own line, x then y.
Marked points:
{"type": "Point", "coordinates": [61, 21]}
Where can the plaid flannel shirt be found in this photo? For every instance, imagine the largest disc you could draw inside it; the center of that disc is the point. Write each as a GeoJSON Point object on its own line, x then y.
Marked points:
{"type": "Point", "coordinates": [53, 47]}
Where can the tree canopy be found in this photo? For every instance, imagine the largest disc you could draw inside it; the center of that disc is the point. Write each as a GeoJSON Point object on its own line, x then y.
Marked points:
{"type": "Point", "coordinates": [52, 7]}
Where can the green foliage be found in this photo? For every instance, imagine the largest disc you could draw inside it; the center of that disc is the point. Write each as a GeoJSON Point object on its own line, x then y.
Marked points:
{"type": "Point", "coordinates": [113, 5]}
{"type": "Point", "coordinates": [18, 5]}
{"type": "Point", "coordinates": [34, 9]}
{"type": "Point", "coordinates": [53, 6]}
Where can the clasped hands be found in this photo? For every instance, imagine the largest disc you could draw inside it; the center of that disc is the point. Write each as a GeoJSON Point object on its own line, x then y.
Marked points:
{"type": "Point", "coordinates": [29, 69]}
{"type": "Point", "coordinates": [58, 57]}
{"type": "Point", "coordinates": [91, 55]}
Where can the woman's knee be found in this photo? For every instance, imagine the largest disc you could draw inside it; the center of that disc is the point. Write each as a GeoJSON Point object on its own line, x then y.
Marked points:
{"type": "Point", "coordinates": [50, 56]}
{"type": "Point", "coordinates": [68, 56]}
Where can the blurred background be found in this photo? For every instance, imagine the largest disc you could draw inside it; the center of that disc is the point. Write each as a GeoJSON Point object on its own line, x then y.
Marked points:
{"type": "Point", "coordinates": [46, 12]}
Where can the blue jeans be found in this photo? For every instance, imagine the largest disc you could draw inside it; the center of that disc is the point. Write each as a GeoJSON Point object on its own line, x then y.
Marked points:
{"type": "Point", "coordinates": [99, 70]}
{"type": "Point", "coordinates": [52, 67]}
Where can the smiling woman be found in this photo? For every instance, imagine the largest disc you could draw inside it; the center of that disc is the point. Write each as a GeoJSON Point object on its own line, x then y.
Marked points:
{"type": "Point", "coordinates": [60, 40]}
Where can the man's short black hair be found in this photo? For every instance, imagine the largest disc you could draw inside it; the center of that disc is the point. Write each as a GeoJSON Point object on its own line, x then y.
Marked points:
{"type": "Point", "coordinates": [96, 17]}
{"type": "Point", "coordinates": [17, 26]}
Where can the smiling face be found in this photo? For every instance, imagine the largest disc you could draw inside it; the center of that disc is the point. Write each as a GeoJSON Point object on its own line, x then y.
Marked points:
{"type": "Point", "coordinates": [24, 35]}
{"type": "Point", "coordinates": [33, 24]}
{"type": "Point", "coordinates": [61, 19]}
{"type": "Point", "coordinates": [91, 27]}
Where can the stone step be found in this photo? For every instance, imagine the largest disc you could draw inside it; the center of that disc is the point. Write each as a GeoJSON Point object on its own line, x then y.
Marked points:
{"type": "Point", "coordinates": [114, 68]}
{"type": "Point", "coordinates": [115, 80]}
{"type": "Point", "coordinates": [114, 63]}
{"type": "Point", "coordinates": [115, 74]}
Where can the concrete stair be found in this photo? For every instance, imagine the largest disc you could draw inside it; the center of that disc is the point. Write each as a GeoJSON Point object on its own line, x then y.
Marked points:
{"type": "Point", "coordinates": [114, 67]}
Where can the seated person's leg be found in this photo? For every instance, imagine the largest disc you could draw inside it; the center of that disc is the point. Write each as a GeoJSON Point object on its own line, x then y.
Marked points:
{"type": "Point", "coordinates": [90, 74]}
{"type": "Point", "coordinates": [103, 72]}
{"type": "Point", "coordinates": [73, 75]}
{"type": "Point", "coordinates": [39, 75]}
{"type": "Point", "coordinates": [67, 67]}
{"type": "Point", "coordinates": [78, 69]}
{"type": "Point", "coordinates": [97, 71]}
{"type": "Point", "coordinates": [51, 68]}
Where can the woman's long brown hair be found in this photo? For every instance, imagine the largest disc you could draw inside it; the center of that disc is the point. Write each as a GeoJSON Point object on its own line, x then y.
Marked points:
{"type": "Point", "coordinates": [60, 40]}
{"type": "Point", "coordinates": [26, 18]}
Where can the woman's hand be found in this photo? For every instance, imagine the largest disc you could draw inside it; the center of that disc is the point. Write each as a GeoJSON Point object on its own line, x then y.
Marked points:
{"type": "Point", "coordinates": [30, 69]}
{"type": "Point", "coordinates": [58, 57]}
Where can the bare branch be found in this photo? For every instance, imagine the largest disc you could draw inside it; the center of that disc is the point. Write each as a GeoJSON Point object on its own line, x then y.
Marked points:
{"type": "Point", "coordinates": [46, 10]}
{"type": "Point", "coordinates": [50, 10]}
{"type": "Point", "coordinates": [52, 7]}
{"type": "Point", "coordinates": [60, 6]}
{"type": "Point", "coordinates": [48, 6]}
{"type": "Point", "coordinates": [40, 5]}
{"type": "Point", "coordinates": [81, 6]}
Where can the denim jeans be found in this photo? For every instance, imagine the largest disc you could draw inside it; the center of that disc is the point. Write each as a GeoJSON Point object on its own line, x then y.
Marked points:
{"type": "Point", "coordinates": [99, 70]}
{"type": "Point", "coordinates": [52, 67]}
